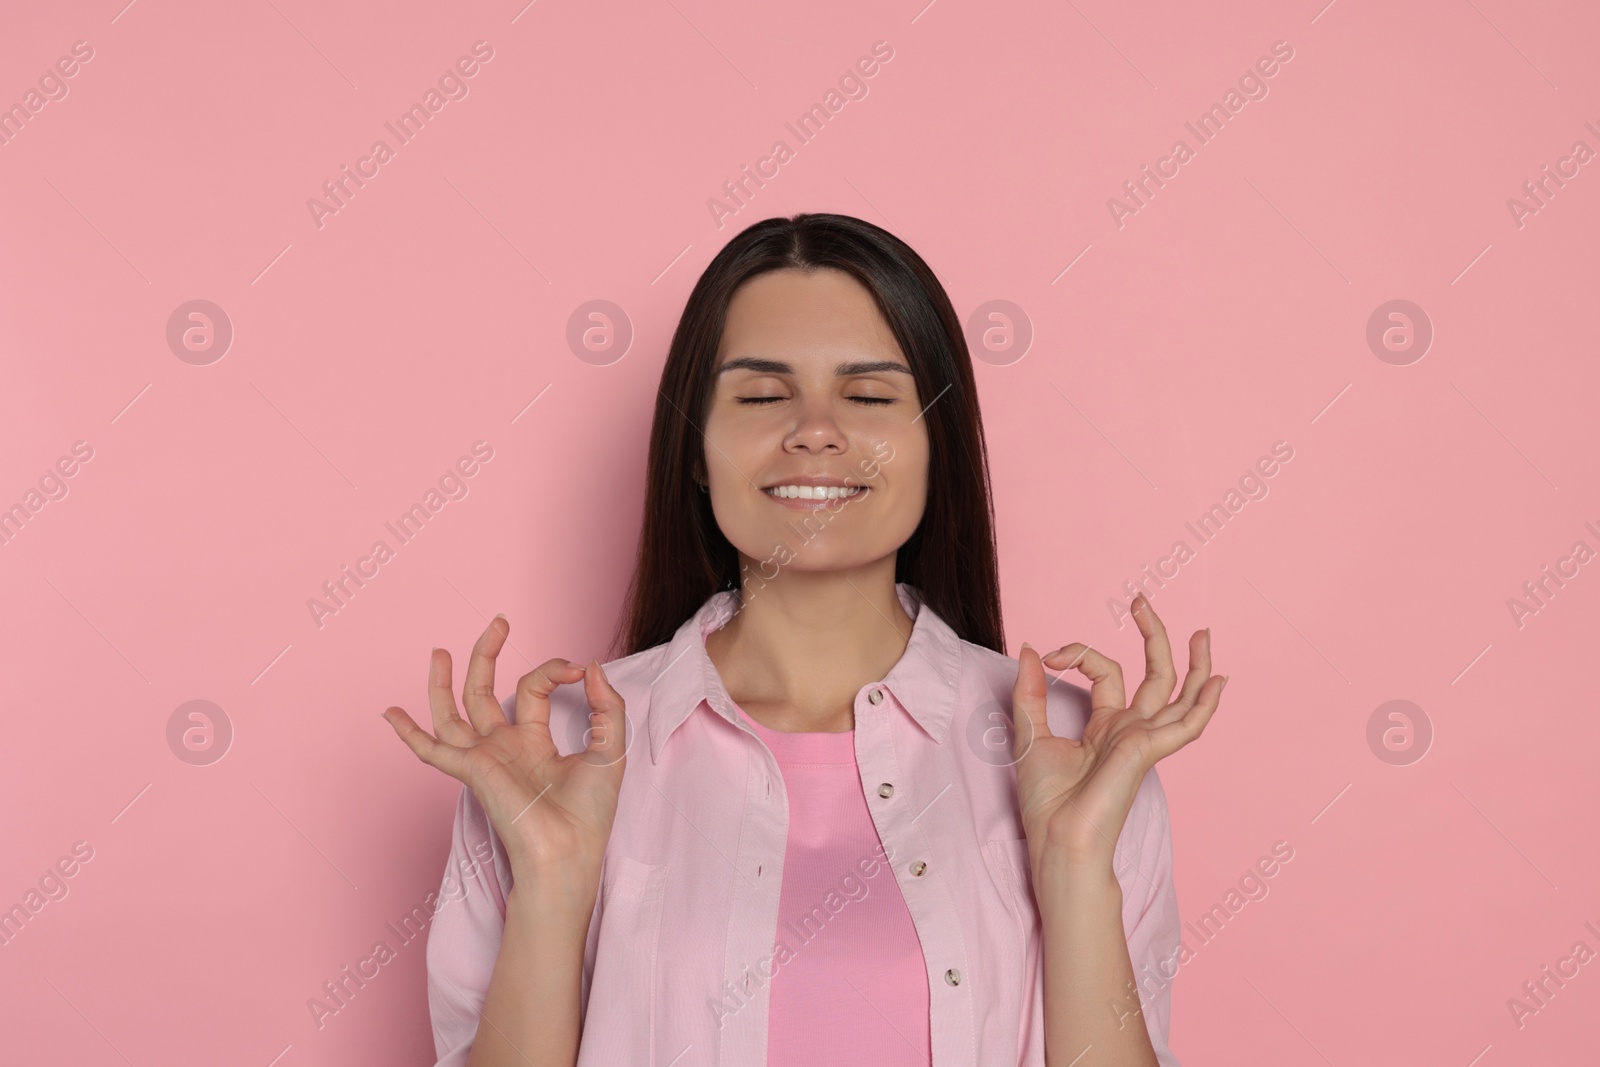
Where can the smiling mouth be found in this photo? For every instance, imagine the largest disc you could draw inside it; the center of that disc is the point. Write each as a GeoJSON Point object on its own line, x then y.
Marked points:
{"type": "Point", "coordinates": [815, 492]}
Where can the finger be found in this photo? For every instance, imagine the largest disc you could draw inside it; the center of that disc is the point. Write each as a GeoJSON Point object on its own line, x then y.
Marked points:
{"type": "Point", "coordinates": [450, 727]}
{"type": "Point", "coordinates": [446, 758]}
{"type": "Point", "coordinates": [1029, 707]}
{"type": "Point", "coordinates": [1199, 672]}
{"type": "Point", "coordinates": [477, 692]}
{"type": "Point", "coordinates": [1159, 674]}
{"type": "Point", "coordinates": [1169, 737]}
{"type": "Point", "coordinates": [608, 719]}
{"type": "Point", "coordinates": [1104, 673]}
{"type": "Point", "coordinates": [535, 687]}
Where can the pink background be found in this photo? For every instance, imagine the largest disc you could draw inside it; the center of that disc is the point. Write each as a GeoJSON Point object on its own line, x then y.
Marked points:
{"type": "Point", "coordinates": [1168, 355]}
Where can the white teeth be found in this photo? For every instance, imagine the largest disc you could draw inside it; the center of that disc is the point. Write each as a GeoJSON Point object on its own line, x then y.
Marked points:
{"type": "Point", "coordinates": [814, 492]}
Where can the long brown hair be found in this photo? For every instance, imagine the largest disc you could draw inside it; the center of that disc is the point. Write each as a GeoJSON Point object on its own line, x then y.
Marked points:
{"type": "Point", "coordinates": [950, 557]}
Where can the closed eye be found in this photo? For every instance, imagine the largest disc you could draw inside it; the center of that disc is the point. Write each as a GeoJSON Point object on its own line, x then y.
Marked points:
{"type": "Point", "coordinates": [775, 399]}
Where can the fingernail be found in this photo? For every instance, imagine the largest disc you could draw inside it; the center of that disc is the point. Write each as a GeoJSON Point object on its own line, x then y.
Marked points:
{"type": "Point", "coordinates": [1026, 645]}
{"type": "Point", "coordinates": [1224, 683]}
{"type": "Point", "coordinates": [500, 616]}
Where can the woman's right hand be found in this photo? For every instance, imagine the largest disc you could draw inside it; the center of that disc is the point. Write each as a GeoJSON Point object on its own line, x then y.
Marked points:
{"type": "Point", "coordinates": [552, 812]}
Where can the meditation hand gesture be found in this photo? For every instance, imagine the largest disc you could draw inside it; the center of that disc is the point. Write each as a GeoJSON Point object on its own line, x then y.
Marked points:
{"type": "Point", "coordinates": [1075, 795]}
{"type": "Point", "coordinates": [553, 812]}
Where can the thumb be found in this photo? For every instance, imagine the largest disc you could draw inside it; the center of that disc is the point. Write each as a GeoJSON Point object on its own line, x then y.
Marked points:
{"type": "Point", "coordinates": [1028, 702]}
{"type": "Point", "coordinates": [608, 740]}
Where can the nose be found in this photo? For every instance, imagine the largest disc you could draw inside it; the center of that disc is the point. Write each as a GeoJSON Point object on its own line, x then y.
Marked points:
{"type": "Point", "coordinates": [815, 430]}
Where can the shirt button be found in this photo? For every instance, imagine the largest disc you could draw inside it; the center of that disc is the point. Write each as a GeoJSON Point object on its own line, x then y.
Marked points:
{"type": "Point", "coordinates": [886, 790]}
{"type": "Point", "coordinates": [917, 868]}
{"type": "Point", "coordinates": [875, 697]}
{"type": "Point", "coordinates": [952, 976]}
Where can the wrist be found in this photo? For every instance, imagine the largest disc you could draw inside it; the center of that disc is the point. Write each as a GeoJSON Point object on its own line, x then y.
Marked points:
{"type": "Point", "coordinates": [565, 890]}
{"type": "Point", "coordinates": [1076, 901]}
{"type": "Point", "coordinates": [1078, 874]}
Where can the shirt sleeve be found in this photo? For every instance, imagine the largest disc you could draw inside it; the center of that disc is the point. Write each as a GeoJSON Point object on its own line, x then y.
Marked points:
{"type": "Point", "coordinates": [464, 936]}
{"type": "Point", "coordinates": [1143, 865]}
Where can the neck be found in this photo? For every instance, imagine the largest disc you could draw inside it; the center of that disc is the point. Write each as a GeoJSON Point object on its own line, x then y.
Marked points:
{"type": "Point", "coordinates": [802, 645]}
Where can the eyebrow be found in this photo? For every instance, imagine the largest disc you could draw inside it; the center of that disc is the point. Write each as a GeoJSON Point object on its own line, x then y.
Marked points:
{"type": "Point", "coordinates": [843, 370]}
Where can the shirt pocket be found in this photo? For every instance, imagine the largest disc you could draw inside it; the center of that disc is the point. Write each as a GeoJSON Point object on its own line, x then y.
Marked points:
{"type": "Point", "coordinates": [621, 1019]}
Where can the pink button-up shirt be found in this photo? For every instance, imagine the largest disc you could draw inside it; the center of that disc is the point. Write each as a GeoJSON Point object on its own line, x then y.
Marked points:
{"type": "Point", "coordinates": [680, 951]}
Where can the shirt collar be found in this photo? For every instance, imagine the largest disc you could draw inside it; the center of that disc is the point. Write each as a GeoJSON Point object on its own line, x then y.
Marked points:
{"type": "Point", "coordinates": [923, 681]}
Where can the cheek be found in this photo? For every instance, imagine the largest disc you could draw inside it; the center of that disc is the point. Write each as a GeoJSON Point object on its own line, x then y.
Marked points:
{"type": "Point", "coordinates": [729, 452]}
{"type": "Point", "coordinates": [737, 430]}
{"type": "Point", "coordinates": [905, 459]}
{"type": "Point", "coordinates": [899, 466]}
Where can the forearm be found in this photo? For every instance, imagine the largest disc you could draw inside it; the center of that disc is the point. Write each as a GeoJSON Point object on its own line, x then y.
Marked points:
{"type": "Point", "coordinates": [531, 1010]}
{"type": "Point", "coordinates": [1091, 1005]}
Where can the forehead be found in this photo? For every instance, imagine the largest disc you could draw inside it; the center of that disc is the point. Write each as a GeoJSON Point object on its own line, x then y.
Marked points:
{"type": "Point", "coordinates": [817, 316]}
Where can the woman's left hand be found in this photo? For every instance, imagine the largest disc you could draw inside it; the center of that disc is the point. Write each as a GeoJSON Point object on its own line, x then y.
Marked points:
{"type": "Point", "coordinates": [1075, 795]}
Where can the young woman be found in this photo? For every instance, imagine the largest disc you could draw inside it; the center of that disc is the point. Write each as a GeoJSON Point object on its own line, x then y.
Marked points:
{"type": "Point", "coordinates": [814, 815]}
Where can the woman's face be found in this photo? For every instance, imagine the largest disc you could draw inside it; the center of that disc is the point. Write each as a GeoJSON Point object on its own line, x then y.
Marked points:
{"type": "Point", "coordinates": [812, 387]}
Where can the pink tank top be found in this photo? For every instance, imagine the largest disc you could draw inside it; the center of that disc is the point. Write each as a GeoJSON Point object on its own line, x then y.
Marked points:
{"type": "Point", "coordinates": [852, 986]}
